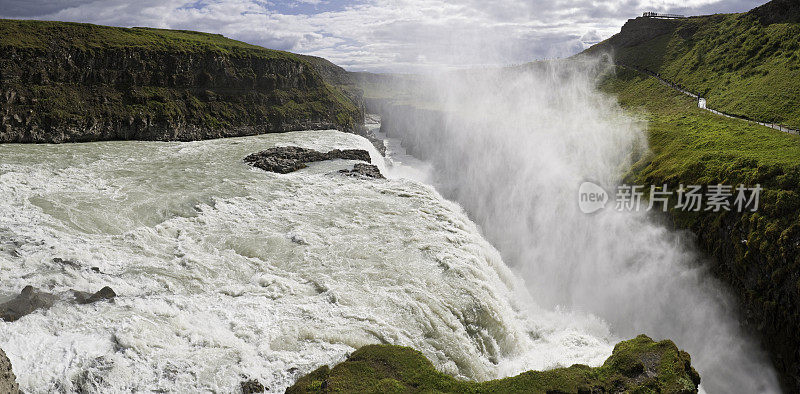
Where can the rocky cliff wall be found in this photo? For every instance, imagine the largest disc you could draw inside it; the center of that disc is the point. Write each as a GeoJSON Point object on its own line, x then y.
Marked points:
{"type": "Point", "coordinates": [65, 88]}
{"type": "Point", "coordinates": [8, 382]}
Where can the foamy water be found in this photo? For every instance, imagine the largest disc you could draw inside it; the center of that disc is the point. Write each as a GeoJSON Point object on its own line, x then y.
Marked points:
{"type": "Point", "coordinates": [226, 273]}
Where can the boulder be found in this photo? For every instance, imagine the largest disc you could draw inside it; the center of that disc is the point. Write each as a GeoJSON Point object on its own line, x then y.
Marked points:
{"type": "Point", "coordinates": [252, 386]}
{"type": "Point", "coordinates": [364, 170]}
{"type": "Point", "coordinates": [25, 303]}
{"type": "Point", "coordinates": [286, 159]}
{"type": "Point", "coordinates": [82, 297]}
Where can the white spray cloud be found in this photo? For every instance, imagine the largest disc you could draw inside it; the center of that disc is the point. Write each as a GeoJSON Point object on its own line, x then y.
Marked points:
{"type": "Point", "coordinates": [513, 147]}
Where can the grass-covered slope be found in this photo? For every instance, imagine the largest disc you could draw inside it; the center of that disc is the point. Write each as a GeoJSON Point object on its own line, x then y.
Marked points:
{"type": "Point", "coordinates": [745, 64]}
{"type": "Point", "coordinates": [63, 81]}
{"type": "Point", "coordinates": [41, 35]}
{"type": "Point", "coordinates": [639, 365]}
{"type": "Point", "coordinates": [756, 253]}
{"type": "Point", "coordinates": [681, 135]}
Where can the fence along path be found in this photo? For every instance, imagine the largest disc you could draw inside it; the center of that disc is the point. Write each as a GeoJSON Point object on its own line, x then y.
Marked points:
{"type": "Point", "coordinates": [701, 102]}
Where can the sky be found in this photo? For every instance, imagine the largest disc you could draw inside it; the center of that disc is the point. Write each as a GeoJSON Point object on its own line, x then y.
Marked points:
{"type": "Point", "coordinates": [385, 35]}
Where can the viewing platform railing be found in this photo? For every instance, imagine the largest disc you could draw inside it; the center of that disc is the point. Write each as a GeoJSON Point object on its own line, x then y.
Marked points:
{"type": "Point", "coordinates": [665, 16]}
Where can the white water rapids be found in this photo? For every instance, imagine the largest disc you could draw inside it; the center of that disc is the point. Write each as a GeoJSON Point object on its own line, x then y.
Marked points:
{"type": "Point", "coordinates": [226, 273]}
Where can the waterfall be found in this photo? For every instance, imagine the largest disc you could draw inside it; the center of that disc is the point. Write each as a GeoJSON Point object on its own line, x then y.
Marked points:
{"type": "Point", "coordinates": [512, 147]}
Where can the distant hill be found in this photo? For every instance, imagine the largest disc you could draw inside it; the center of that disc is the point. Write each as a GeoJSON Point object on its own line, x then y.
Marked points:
{"type": "Point", "coordinates": [65, 82]}
{"type": "Point", "coordinates": [746, 64]}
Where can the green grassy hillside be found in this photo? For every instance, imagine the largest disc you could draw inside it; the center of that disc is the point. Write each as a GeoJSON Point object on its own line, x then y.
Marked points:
{"type": "Point", "coordinates": [756, 253]}
{"type": "Point", "coordinates": [746, 64]}
{"type": "Point", "coordinates": [681, 135]}
{"type": "Point", "coordinates": [42, 35]}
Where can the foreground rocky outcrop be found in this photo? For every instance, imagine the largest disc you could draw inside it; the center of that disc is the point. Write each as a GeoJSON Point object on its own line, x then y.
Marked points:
{"type": "Point", "coordinates": [71, 82]}
{"type": "Point", "coordinates": [639, 365]}
{"type": "Point", "coordinates": [286, 159]}
{"type": "Point", "coordinates": [8, 382]}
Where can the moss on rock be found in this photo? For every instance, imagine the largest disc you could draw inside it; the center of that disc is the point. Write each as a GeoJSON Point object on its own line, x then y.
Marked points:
{"type": "Point", "coordinates": [639, 365]}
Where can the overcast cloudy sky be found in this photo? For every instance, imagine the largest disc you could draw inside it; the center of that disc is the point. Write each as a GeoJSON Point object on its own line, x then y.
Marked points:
{"type": "Point", "coordinates": [384, 35]}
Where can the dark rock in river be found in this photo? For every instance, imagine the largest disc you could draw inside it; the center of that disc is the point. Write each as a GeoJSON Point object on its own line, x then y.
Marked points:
{"type": "Point", "coordinates": [8, 382]}
{"type": "Point", "coordinates": [106, 293]}
{"type": "Point", "coordinates": [286, 159]}
{"type": "Point", "coordinates": [366, 170]}
{"type": "Point", "coordinates": [66, 263]}
{"type": "Point", "coordinates": [252, 386]}
{"type": "Point", "coordinates": [28, 301]}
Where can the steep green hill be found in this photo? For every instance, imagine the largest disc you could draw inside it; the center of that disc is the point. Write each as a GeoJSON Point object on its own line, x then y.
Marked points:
{"type": "Point", "coordinates": [62, 82]}
{"type": "Point", "coordinates": [746, 64]}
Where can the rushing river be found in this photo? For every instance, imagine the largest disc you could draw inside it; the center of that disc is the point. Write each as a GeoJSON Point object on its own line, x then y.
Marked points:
{"type": "Point", "coordinates": [226, 273]}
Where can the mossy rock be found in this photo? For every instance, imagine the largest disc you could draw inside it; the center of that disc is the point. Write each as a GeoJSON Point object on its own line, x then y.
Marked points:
{"type": "Point", "coordinates": [639, 365]}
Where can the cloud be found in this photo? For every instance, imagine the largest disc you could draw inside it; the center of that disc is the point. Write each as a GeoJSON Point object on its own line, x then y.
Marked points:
{"type": "Point", "coordinates": [384, 35]}
{"type": "Point", "coordinates": [591, 37]}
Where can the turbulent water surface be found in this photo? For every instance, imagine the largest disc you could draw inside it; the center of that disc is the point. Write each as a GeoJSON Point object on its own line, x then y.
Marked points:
{"type": "Point", "coordinates": [226, 273]}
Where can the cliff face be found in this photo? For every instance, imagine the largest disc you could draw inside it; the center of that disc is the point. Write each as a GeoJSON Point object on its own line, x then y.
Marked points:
{"type": "Point", "coordinates": [757, 254]}
{"type": "Point", "coordinates": [8, 382]}
{"type": "Point", "coordinates": [65, 82]}
{"type": "Point", "coordinates": [745, 64]}
{"type": "Point", "coordinates": [637, 31]}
